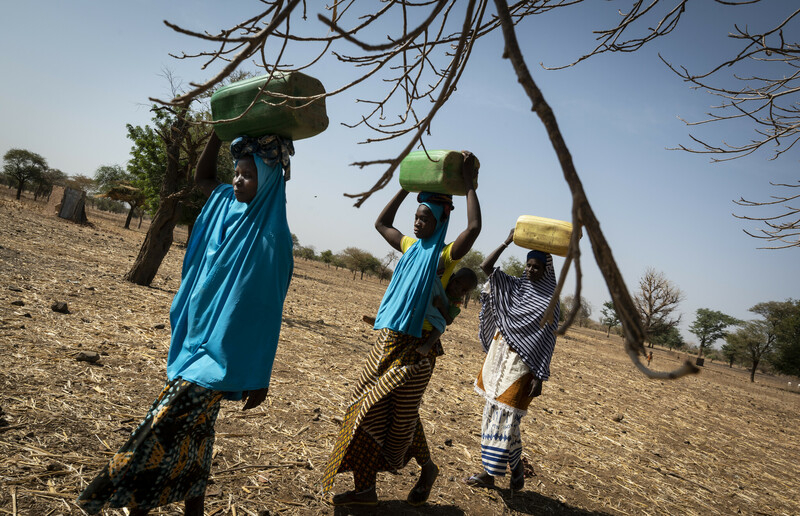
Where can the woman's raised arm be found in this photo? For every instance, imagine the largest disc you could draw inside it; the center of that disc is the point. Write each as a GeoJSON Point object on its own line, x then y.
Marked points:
{"type": "Point", "coordinates": [488, 264]}
{"type": "Point", "coordinates": [463, 243]}
{"type": "Point", "coordinates": [205, 175]}
{"type": "Point", "coordinates": [385, 222]}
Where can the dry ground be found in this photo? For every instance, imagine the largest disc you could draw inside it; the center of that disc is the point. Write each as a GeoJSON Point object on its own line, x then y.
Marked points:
{"type": "Point", "coordinates": [602, 439]}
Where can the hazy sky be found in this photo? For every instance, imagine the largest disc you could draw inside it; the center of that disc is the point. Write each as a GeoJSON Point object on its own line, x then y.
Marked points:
{"type": "Point", "coordinates": [77, 72]}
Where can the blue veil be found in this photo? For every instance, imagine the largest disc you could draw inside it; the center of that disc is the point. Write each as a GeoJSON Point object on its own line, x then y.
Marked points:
{"type": "Point", "coordinates": [407, 297]}
{"type": "Point", "coordinates": [226, 316]}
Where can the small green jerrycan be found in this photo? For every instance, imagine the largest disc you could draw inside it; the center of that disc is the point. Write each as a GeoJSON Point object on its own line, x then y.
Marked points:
{"type": "Point", "coordinates": [290, 118]}
{"type": "Point", "coordinates": [442, 175]}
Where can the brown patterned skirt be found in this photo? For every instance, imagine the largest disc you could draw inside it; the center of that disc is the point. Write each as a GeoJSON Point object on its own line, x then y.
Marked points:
{"type": "Point", "coordinates": [381, 429]}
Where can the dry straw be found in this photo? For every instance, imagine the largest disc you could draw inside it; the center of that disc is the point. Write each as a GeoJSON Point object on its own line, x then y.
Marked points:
{"type": "Point", "coordinates": [602, 439]}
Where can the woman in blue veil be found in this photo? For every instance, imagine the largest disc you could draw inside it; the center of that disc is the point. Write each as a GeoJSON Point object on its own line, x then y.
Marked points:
{"type": "Point", "coordinates": [225, 320]}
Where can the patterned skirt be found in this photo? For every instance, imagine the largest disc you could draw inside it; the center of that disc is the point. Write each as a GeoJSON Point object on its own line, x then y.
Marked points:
{"type": "Point", "coordinates": [167, 457]}
{"type": "Point", "coordinates": [505, 383]}
{"type": "Point", "coordinates": [381, 430]}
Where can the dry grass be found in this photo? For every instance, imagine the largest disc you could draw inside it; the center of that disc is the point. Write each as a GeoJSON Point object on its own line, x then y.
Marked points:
{"type": "Point", "coordinates": [710, 444]}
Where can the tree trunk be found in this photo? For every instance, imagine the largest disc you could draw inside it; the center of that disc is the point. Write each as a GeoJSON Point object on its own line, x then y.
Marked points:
{"type": "Point", "coordinates": [189, 229]}
{"type": "Point", "coordinates": [156, 243]}
{"type": "Point", "coordinates": [753, 371]}
{"type": "Point", "coordinates": [19, 189]}
{"type": "Point", "coordinates": [130, 216]}
{"type": "Point", "coordinates": [159, 235]}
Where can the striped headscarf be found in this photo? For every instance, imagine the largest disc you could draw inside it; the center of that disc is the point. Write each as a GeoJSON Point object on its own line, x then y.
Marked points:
{"type": "Point", "coordinates": [515, 306]}
{"type": "Point", "coordinates": [272, 149]}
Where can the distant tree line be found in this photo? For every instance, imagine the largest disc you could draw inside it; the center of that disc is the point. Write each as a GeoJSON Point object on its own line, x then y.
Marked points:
{"type": "Point", "coordinates": [27, 171]}
{"type": "Point", "coordinates": [358, 261]}
{"type": "Point", "coordinates": [770, 342]}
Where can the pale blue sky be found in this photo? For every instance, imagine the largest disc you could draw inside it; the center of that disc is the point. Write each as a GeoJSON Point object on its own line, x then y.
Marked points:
{"type": "Point", "coordinates": [77, 72]}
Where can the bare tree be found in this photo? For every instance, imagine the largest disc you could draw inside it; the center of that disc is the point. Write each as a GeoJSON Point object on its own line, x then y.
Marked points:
{"type": "Point", "coordinates": [657, 301]}
{"type": "Point", "coordinates": [584, 308]}
{"type": "Point", "coordinates": [758, 84]}
{"type": "Point", "coordinates": [768, 100]}
{"type": "Point", "coordinates": [421, 64]}
{"type": "Point", "coordinates": [782, 228]}
{"type": "Point", "coordinates": [385, 272]}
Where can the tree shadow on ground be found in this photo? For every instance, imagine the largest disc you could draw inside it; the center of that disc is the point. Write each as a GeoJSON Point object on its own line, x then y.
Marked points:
{"type": "Point", "coordinates": [531, 502]}
{"type": "Point", "coordinates": [398, 507]}
{"type": "Point", "coordinates": [318, 326]}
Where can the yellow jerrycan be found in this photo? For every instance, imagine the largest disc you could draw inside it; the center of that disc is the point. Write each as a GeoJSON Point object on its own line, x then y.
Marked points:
{"type": "Point", "coordinates": [543, 234]}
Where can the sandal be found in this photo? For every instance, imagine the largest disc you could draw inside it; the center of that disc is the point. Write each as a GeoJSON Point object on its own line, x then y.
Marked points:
{"type": "Point", "coordinates": [420, 492]}
{"type": "Point", "coordinates": [480, 480]}
{"type": "Point", "coordinates": [366, 497]}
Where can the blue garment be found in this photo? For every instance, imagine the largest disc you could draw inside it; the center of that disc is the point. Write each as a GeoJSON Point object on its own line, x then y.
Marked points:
{"type": "Point", "coordinates": [408, 295]}
{"type": "Point", "coordinates": [433, 315]}
{"type": "Point", "coordinates": [226, 316]}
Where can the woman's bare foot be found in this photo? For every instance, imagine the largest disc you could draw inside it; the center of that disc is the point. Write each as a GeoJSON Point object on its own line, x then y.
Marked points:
{"type": "Point", "coordinates": [422, 489]}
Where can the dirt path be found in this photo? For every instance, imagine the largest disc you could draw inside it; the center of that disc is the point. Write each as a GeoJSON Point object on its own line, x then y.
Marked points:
{"type": "Point", "coordinates": [602, 439]}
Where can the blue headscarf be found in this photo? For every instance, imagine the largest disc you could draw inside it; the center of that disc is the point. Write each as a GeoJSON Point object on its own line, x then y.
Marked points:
{"type": "Point", "coordinates": [409, 293]}
{"type": "Point", "coordinates": [226, 316]}
{"type": "Point", "coordinates": [539, 255]}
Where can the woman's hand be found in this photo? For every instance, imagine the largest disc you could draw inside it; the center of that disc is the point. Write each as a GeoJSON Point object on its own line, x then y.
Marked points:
{"type": "Point", "coordinates": [255, 398]}
{"type": "Point", "coordinates": [510, 237]}
{"type": "Point", "coordinates": [536, 388]}
{"type": "Point", "coordinates": [463, 242]}
{"type": "Point", "coordinates": [425, 349]}
{"type": "Point", "coordinates": [468, 171]}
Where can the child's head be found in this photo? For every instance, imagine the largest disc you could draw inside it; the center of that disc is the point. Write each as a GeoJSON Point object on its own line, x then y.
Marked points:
{"type": "Point", "coordinates": [461, 282]}
{"type": "Point", "coordinates": [245, 179]}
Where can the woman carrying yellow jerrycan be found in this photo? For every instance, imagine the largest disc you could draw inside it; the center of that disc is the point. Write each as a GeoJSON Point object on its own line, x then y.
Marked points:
{"type": "Point", "coordinates": [518, 346]}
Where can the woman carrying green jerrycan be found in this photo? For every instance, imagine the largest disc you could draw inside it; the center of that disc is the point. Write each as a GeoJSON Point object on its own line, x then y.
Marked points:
{"type": "Point", "coordinates": [382, 430]}
{"type": "Point", "coordinates": [226, 318]}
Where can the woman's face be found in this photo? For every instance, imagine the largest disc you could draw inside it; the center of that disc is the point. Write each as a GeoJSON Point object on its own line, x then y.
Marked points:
{"type": "Point", "coordinates": [424, 222]}
{"type": "Point", "coordinates": [245, 180]}
{"type": "Point", "coordinates": [534, 270]}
